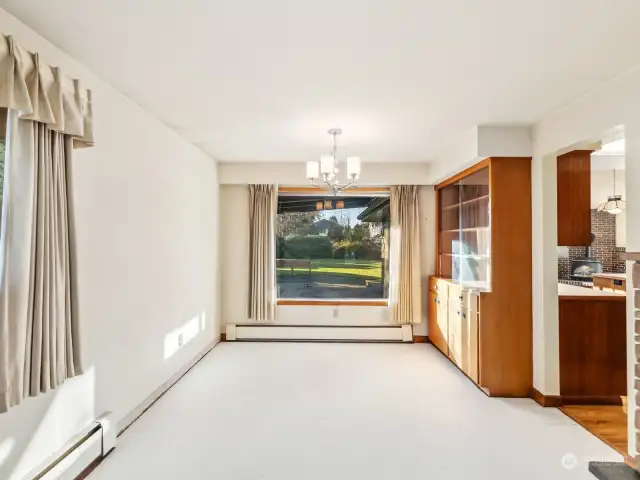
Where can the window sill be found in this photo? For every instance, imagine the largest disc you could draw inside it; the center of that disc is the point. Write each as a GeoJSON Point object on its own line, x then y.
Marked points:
{"type": "Point", "coordinates": [332, 303]}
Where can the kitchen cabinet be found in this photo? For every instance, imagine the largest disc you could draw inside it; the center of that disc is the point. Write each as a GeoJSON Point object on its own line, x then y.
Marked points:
{"type": "Point", "coordinates": [484, 259]}
{"type": "Point", "coordinates": [592, 345]}
{"type": "Point", "coordinates": [574, 198]}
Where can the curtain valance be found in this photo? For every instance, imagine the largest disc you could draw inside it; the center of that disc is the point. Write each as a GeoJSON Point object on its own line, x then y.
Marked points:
{"type": "Point", "coordinates": [41, 93]}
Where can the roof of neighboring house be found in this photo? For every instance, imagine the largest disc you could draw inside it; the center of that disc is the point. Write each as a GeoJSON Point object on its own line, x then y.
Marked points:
{"type": "Point", "coordinates": [376, 211]}
{"type": "Point", "coordinates": [325, 224]}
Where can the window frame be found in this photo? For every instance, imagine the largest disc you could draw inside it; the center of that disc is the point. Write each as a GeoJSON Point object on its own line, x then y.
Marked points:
{"type": "Point", "coordinates": [321, 193]}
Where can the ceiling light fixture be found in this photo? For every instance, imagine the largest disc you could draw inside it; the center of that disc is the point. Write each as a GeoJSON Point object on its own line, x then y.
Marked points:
{"type": "Point", "coordinates": [614, 203]}
{"type": "Point", "coordinates": [328, 168]}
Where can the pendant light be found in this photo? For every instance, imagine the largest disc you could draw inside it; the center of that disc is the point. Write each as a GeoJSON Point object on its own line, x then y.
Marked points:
{"type": "Point", "coordinates": [614, 203]}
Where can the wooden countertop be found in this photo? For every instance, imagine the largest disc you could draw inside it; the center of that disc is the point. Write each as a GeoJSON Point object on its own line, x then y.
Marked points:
{"type": "Point", "coordinates": [572, 292]}
{"type": "Point", "coordinates": [616, 276]}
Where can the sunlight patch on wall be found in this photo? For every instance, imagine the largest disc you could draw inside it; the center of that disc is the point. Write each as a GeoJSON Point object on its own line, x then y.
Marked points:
{"type": "Point", "coordinates": [182, 335]}
{"type": "Point", "coordinates": [5, 449]}
{"type": "Point", "coordinates": [72, 408]}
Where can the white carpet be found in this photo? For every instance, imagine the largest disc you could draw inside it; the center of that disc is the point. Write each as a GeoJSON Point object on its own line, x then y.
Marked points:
{"type": "Point", "coordinates": [303, 411]}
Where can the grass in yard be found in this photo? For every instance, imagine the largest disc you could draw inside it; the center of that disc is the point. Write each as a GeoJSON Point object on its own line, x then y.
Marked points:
{"type": "Point", "coordinates": [368, 269]}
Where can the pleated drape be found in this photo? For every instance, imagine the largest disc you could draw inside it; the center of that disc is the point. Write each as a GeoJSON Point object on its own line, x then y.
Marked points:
{"type": "Point", "coordinates": [262, 254]}
{"type": "Point", "coordinates": [42, 93]}
{"type": "Point", "coordinates": [39, 337]}
{"type": "Point", "coordinates": [404, 295]}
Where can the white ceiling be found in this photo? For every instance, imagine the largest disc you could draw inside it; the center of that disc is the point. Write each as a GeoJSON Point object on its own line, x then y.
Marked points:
{"type": "Point", "coordinates": [256, 80]}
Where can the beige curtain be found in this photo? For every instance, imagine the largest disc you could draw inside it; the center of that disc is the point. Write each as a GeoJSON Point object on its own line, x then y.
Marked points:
{"type": "Point", "coordinates": [39, 339]}
{"type": "Point", "coordinates": [262, 255]}
{"type": "Point", "coordinates": [404, 295]}
{"type": "Point", "coordinates": [43, 93]}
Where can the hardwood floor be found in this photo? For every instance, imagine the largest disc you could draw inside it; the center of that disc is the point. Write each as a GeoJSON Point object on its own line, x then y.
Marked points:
{"type": "Point", "coordinates": [608, 423]}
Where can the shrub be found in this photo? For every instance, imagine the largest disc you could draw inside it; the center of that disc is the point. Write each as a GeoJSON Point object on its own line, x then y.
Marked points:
{"type": "Point", "coordinates": [369, 250]}
{"type": "Point", "coordinates": [345, 246]}
{"type": "Point", "coordinates": [364, 250]}
{"type": "Point", "coordinates": [303, 247]}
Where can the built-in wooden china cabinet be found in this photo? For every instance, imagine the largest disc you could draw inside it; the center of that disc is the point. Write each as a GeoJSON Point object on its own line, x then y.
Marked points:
{"type": "Point", "coordinates": [480, 298]}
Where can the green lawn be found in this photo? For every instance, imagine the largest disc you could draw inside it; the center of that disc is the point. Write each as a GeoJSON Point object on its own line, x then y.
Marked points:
{"type": "Point", "coordinates": [367, 269]}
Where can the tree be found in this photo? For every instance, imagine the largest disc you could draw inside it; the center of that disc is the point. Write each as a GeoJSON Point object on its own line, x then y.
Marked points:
{"type": "Point", "coordinates": [345, 221]}
{"type": "Point", "coordinates": [336, 231]}
{"type": "Point", "coordinates": [288, 223]}
{"type": "Point", "coordinates": [359, 233]}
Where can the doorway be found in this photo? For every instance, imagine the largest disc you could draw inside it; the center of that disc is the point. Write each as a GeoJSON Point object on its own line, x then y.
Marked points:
{"type": "Point", "coordinates": [592, 290]}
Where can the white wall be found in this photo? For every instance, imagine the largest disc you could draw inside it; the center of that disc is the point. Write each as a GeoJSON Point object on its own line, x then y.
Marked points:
{"type": "Point", "coordinates": [293, 174]}
{"type": "Point", "coordinates": [146, 206]}
{"type": "Point", "coordinates": [611, 108]}
{"type": "Point", "coordinates": [234, 263]}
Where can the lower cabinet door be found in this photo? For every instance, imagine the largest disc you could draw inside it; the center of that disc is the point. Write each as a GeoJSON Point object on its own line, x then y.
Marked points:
{"type": "Point", "coordinates": [455, 334]}
{"type": "Point", "coordinates": [470, 344]}
{"type": "Point", "coordinates": [437, 327]}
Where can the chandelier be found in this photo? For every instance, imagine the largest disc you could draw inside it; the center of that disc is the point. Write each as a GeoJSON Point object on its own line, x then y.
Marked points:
{"type": "Point", "coordinates": [614, 203]}
{"type": "Point", "coordinates": [328, 167]}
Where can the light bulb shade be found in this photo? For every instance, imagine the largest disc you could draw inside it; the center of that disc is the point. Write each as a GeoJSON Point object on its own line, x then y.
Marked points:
{"type": "Point", "coordinates": [326, 164]}
{"type": "Point", "coordinates": [327, 204]}
{"type": "Point", "coordinates": [353, 167]}
{"type": "Point", "coordinates": [613, 205]}
{"type": "Point", "coordinates": [313, 169]}
{"type": "Point", "coordinates": [319, 205]}
{"type": "Point", "coordinates": [340, 204]}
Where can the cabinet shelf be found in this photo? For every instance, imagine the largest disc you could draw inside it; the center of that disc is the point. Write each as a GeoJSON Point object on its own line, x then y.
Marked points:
{"type": "Point", "coordinates": [450, 207]}
{"type": "Point", "coordinates": [474, 200]}
{"type": "Point", "coordinates": [465, 202]}
{"type": "Point", "coordinates": [465, 255]}
{"type": "Point", "coordinates": [471, 229]}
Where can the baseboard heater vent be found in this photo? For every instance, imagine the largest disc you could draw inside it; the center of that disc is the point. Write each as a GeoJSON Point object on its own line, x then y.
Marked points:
{"type": "Point", "coordinates": [313, 333]}
{"type": "Point", "coordinates": [83, 451]}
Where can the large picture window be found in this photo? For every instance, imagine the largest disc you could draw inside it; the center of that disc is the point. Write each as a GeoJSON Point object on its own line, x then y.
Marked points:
{"type": "Point", "coordinates": [334, 248]}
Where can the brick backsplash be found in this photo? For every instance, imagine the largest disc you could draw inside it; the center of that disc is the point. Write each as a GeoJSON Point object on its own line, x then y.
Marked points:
{"type": "Point", "coordinates": [603, 225]}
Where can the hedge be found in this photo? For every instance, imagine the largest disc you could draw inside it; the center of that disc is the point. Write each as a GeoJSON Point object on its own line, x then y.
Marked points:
{"type": "Point", "coordinates": [303, 247]}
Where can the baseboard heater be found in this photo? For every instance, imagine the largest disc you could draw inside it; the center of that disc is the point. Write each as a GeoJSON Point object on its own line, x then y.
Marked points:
{"type": "Point", "coordinates": [320, 333]}
{"type": "Point", "coordinates": [86, 449]}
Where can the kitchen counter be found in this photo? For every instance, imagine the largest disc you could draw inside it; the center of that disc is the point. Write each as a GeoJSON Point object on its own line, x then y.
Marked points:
{"type": "Point", "coordinates": [571, 292]}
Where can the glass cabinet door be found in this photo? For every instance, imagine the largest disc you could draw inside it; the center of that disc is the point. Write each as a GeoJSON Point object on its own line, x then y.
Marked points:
{"type": "Point", "coordinates": [464, 231]}
{"type": "Point", "coordinates": [475, 231]}
{"type": "Point", "coordinates": [449, 230]}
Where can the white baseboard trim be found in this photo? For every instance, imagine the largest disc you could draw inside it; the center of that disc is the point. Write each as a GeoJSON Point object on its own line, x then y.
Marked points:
{"type": "Point", "coordinates": [137, 412]}
{"type": "Point", "coordinates": [321, 333]}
